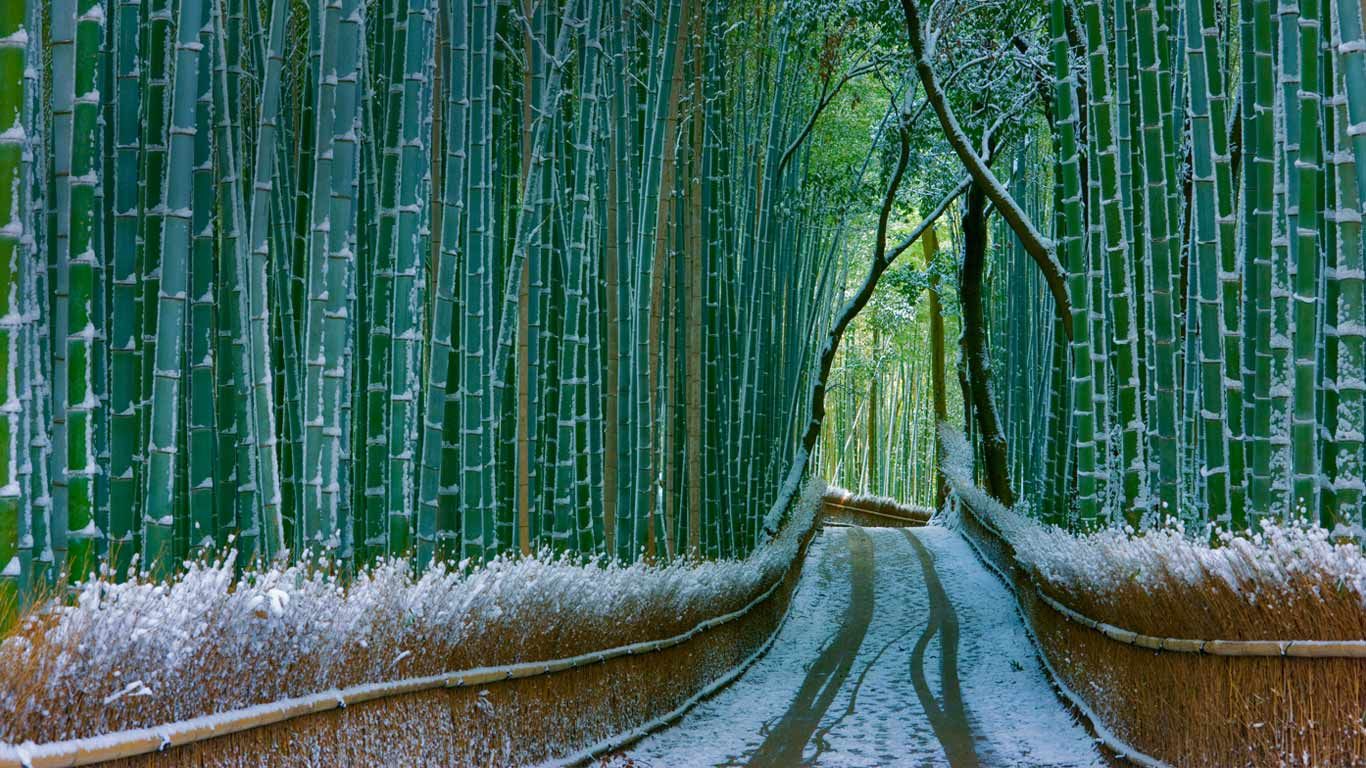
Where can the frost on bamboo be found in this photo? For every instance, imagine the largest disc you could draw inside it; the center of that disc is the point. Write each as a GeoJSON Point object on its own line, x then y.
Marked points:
{"type": "Point", "coordinates": [262, 269]}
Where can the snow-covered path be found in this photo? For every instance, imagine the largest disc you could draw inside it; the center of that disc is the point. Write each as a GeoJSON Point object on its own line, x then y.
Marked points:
{"type": "Point", "coordinates": [900, 650]}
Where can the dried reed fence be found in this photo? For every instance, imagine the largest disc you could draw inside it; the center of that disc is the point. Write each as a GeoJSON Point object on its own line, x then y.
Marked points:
{"type": "Point", "coordinates": [586, 702]}
{"type": "Point", "coordinates": [847, 508]}
{"type": "Point", "coordinates": [1164, 701]}
{"type": "Point", "coordinates": [568, 716]}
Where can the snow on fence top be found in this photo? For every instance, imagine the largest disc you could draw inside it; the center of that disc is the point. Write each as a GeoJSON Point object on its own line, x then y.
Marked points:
{"type": "Point", "coordinates": [876, 504]}
{"type": "Point", "coordinates": [139, 655]}
{"type": "Point", "coordinates": [1283, 581]}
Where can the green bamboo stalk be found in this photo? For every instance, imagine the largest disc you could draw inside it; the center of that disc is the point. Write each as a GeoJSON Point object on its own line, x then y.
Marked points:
{"type": "Point", "coordinates": [440, 389]}
{"type": "Point", "coordinates": [319, 523]}
{"type": "Point", "coordinates": [331, 261]}
{"type": "Point", "coordinates": [155, 68]}
{"type": "Point", "coordinates": [84, 538]}
{"type": "Point", "coordinates": [382, 531]}
{"type": "Point", "coordinates": [1163, 246]}
{"type": "Point", "coordinates": [14, 143]}
{"type": "Point", "coordinates": [1351, 323]}
{"type": "Point", "coordinates": [63, 43]}
{"type": "Point", "coordinates": [532, 304]}
{"type": "Point", "coordinates": [164, 411]}
{"type": "Point", "coordinates": [1217, 77]}
{"type": "Point", "coordinates": [1259, 179]}
{"type": "Point", "coordinates": [411, 247]}
{"type": "Point", "coordinates": [476, 449]}
{"type": "Point", "coordinates": [1205, 257]}
{"type": "Point", "coordinates": [240, 505]}
{"type": "Point", "coordinates": [1073, 250]}
{"type": "Point", "coordinates": [37, 549]}
{"type": "Point", "coordinates": [571, 472]}
{"type": "Point", "coordinates": [1305, 338]}
{"type": "Point", "coordinates": [259, 292]}
{"type": "Point", "coordinates": [202, 439]}
{"type": "Point", "coordinates": [125, 337]}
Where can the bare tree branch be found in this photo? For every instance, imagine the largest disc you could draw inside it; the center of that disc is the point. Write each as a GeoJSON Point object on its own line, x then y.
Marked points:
{"type": "Point", "coordinates": [1038, 248]}
{"type": "Point", "coordinates": [827, 97]}
{"type": "Point", "coordinates": [882, 259]}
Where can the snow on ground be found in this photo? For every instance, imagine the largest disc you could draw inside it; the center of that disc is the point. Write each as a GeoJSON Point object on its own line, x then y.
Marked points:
{"type": "Point", "coordinates": [722, 730]}
{"type": "Point", "coordinates": [876, 717]}
{"type": "Point", "coordinates": [1016, 716]}
{"type": "Point", "coordinates": [880, 722]}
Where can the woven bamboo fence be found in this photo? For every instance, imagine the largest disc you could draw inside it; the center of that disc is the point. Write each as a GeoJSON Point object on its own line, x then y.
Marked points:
{"type": "Point", "coordinates": [847, 509]}
{"type": "Point", "coordinates": [1192, 703]}
{"type": "Point", "coordinates": [566, 711]}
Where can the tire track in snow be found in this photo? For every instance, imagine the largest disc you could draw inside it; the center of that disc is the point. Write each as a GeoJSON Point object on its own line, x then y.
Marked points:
{"type": "Point", "coordinates": [876, 719]}
{"type": "Point", "coordinates": [785, 742]}
{"type": "Point", "coordinates": [950, 722]}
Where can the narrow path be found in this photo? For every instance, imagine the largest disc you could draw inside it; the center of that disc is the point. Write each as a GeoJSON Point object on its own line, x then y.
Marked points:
{"type": "Point", "coordinates": [784, 744]}
{"type": "Point", "coordinates": [950, 722]}
{"type": "Point", "coordinates": [900, 649]}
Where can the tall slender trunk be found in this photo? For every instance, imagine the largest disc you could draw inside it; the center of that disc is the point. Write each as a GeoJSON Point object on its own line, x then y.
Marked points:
{"type": "Point", "coordinates": [995, 455]}
{"type": "Point", "coordinates": [941, 402]}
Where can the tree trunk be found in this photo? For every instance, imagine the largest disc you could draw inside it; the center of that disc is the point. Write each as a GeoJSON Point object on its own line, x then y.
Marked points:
{"type": "Point", "coordinates": [993, 442]}
{"type": "Point", "coordinates": [941, 404]}
{"type": "Point", "coordinates": [872, 424]}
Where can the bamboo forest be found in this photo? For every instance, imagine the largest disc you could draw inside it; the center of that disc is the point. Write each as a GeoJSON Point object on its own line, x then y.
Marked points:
{"type": "Point", "coordinates": [673, 383]}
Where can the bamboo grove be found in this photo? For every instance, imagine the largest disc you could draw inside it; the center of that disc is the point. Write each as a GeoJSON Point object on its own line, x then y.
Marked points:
{"type": "Point", "coordinates": [1203, 169]}
{"type": "Point", "coordinates": [879, 435]}
{"type": "Point", "coordinates": [354, 279]}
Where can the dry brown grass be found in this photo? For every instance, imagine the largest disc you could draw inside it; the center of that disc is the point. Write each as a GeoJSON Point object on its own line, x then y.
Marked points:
{"type": "Point", "coordinates": [1202, 711]}
{"type": "Point", "coordinates": [1288, 584]}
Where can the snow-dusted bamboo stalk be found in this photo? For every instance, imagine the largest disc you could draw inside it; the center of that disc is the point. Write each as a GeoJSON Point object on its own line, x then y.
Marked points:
{"type": "Point", "coordinates": [165, 410]}
{"type": "Point", "coordinates": [14, 144]}
{"type": "Point", "coordinates": [412, 245]}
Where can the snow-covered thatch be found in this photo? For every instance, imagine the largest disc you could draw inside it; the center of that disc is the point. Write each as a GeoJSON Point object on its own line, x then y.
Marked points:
{"type": "Point", "coordinates": [138, 653]}
{"type": "Point", "coordinates": [1283, 582]}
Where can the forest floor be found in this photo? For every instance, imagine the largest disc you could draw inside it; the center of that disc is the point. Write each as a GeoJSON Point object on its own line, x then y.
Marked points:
{"type": "Point", "coordinates": [900, 650]}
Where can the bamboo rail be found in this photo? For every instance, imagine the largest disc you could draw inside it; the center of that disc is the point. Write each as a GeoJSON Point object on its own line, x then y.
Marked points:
{"type": "Point", "coordinates": [140, 741]}
{"type": "Point", "coordinates": [1309, 649]}
{"type": "Point", "coordinates": [912, 515]}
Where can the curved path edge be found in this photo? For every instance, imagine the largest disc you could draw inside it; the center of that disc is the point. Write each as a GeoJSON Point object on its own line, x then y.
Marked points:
{"type": "Point", "coordinates": [1102, 732]}
{"type": "Point", "coordinates": [786, 742]}
{"type": "Point", "coordinates": [627, 738]}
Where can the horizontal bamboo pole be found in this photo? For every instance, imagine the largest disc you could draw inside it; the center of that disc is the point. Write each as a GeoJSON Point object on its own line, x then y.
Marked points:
{"type": "Point", "coordinates": [1309, 649]}
{"type": "Point", "coordinates": [866, 511]}
{"type": "Point", "coordinates": [141, 741]}
{"type": "Point", "coordinates": [876, 514]}
{"type": "Point", "coordinates": [845, 499]}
